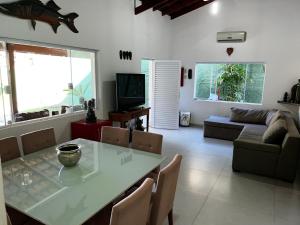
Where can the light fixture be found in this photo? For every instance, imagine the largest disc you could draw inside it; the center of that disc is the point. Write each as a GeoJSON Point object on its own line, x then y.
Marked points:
{"type": "Point", "coordinates": [215, 8]}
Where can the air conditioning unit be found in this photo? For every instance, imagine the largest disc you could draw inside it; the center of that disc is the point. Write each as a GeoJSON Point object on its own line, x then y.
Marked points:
{"type": "Point", "coordinates": [229, 37]}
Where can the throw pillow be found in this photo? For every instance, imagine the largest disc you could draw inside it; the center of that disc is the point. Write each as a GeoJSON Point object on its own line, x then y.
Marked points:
{"type": "Point", "coordinates": [248, 116]}
{"type": "Point", "coordinates": [275, 132]}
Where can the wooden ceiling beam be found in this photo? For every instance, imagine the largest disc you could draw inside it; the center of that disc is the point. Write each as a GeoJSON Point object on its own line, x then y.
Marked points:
{"type": "Point", "coordinates": [162, 2]}
{"type": "Point", "coordinates": [178, 6]}
{"type": "Point", "coordinates": [189, 9]}
{"type": "Point", "coordinates": [167, 4]}
{"type": "Point", "coordinates": [145, 6]}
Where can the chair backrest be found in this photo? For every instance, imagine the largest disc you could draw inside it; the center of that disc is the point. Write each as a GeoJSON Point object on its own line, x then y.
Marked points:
{"type": "Point", "coordinates": [163, 199]}
{"type": "Point", "coordinates": [38, 140]}
{"type": "Point", "coordinates": [9, 149]}
{"type": "Point", "coordinates": [115, 136]}
{"type": "Point", "coordinates": [145, 141]}
{"type": "Point", "coordinates": [134, 209]}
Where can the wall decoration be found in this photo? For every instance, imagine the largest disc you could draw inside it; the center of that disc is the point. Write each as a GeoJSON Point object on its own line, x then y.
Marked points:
{"type": "Point", "coordinates": [182, 77]}
{"type": "Point", "coordinates": [125, 55]}
{"type": "Point", "coordinates": [229, 51]}
{"type": "Point", "coordinates": [190, 74]}
{"type": "Point", "coordinates": [36, 10]}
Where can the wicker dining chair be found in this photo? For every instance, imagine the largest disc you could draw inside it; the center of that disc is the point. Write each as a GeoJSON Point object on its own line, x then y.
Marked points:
{"type": "Point", "coordinates": [163, 199]}
{"type": "Point", "coordinates": [115, 136]}
{"type": "Point", "coordinates": [9, 149]}
{"type": "Point", "coordinates": [148, 142]}
{"type": "Point", "coordinates": [38, 140]}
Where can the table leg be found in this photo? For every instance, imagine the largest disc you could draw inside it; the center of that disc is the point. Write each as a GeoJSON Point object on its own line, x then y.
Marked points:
{"type": "Point", "coordinates": [147, 123]}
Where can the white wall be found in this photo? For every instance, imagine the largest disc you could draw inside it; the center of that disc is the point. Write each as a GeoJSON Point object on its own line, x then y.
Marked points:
{"type": "Point", "coordinates": [105, 25]}
{"type": "Point", "coordinates": [273, 38]}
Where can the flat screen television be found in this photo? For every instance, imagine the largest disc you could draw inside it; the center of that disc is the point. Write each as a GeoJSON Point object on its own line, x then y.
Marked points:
{"type": "Point", "coordinates": [130, 91]}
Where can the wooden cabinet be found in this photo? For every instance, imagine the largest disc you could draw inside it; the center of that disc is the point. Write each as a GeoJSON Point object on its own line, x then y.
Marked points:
{"type": "Point", "coordinates": [89, 131]}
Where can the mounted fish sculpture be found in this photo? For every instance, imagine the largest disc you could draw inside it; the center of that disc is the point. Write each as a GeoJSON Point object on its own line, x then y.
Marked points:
{"type": "Point", "coordinates": [36, 10]}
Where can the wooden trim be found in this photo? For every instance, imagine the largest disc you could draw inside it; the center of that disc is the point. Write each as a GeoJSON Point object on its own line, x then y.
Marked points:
{"type": "Point", "coordinates": [145, 6]}
{"type": "Point", "coordinates": [37, 50]}
{"type": "Point", "coordinates": [177, 6]}
{"type": "Point", "coordinates": [11, 60]}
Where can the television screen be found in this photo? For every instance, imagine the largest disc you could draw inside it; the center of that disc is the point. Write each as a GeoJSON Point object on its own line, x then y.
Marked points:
{"type": "Point", "coordinates": [130, 90]}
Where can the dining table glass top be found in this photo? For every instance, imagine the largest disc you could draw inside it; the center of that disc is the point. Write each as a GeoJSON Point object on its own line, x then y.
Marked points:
{"type": "Point", "coordinates": [39, 186]}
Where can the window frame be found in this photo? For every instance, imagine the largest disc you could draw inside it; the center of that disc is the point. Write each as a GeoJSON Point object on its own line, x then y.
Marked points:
{"type": "Point", "coordinates": [38, 47]}
{"type": "Point", "coordinates": [229, 102]}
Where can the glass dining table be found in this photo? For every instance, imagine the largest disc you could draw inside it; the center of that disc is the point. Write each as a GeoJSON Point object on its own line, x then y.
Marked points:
{"type": "Point", "coordinates": [40, 187]}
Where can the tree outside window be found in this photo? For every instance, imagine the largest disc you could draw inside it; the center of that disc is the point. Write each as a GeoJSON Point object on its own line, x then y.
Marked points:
{"type": "Point", "coordinates": [230, 82]}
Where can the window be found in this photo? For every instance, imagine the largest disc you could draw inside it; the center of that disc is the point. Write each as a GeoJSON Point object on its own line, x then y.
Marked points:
{"type": "Point", "coordinates": [43, 81]}
{"type": "Point", "coordinates": [230, 82]}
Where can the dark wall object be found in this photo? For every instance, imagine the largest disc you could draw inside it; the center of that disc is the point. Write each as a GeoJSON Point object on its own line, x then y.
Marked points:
{"type": "Point", "coordinates": [36, 10]}
{"type": "Point", "coordinates": [190, 74]}
{"type": "Point", "coordinates": [182, 77]}
{"type": "Point", "coordinates": [229, 51]}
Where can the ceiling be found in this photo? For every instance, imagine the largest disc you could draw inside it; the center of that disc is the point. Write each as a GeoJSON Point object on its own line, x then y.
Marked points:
{"type": "Point", "coordinates": [173, 8]}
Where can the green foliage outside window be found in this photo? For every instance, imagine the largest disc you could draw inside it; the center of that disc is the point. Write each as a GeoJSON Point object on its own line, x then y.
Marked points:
{"type": "Point", "coordinates": [230, 82]}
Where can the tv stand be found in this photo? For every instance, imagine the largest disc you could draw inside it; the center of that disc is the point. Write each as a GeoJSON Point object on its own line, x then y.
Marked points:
{"type": "Point", "coordinates": [124, 117]}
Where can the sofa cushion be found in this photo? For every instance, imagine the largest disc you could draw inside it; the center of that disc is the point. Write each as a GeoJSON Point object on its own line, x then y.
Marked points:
{"type": "Point", "coordinates": [275, 132]}
{"type": "Point", "coordinates": [277, 115]}
{"type": "Point", "coordinates": [248, 116]}
{"type": "Point", "coordinates": [221, 121]}
{"type": "Point", "coordinates": [270, 115]}
{"type": "Point", "coordinates": [253, 133]}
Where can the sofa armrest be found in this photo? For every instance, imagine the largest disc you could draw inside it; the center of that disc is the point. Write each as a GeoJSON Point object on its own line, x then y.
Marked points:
{"type": "Point", "coordinates": [256, 146]}
{"type": "Point", "coordinates": [289, 158]}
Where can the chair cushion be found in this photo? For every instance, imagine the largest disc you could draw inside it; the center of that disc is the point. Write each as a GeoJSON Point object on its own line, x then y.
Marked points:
{"type": "Point", "coordinates": [275, 132]}
{"type": "Point", "coordinates": [248, 115]}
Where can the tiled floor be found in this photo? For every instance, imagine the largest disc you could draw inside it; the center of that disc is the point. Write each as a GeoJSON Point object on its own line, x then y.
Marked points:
{"type": "Point", "coordinates": [209, 193]}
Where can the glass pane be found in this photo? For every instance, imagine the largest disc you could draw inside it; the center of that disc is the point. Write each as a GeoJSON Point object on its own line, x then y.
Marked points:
{"type": "Point", "coordinates": [230, 82]}
{"type": "Point", "coordinates": [42, 82]}
{"type": "Point", "coordinates": [5, 90]}
{"type": "Point", "coordinates": [82, 66]}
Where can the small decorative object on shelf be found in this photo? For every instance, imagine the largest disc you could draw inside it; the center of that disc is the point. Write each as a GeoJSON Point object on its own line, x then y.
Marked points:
{"type": "Point", "coordinates": [36, 10]}
{"type": "Point", "coordinates": [69, 154]}
{"type": "Point", "coordinates": [297, 97]}
{"type": "Point", "coordinates": [185, 119]}
{"type": "Point", "coordinates": [90, 115]}
{"type": "Point", "coordinates": [285, 97]}
{"type": "Point", "coordinates": [293, 94]}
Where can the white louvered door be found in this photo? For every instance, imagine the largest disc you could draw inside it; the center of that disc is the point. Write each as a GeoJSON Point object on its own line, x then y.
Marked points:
{"type": "Point", "coordinates": [165, 94]}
